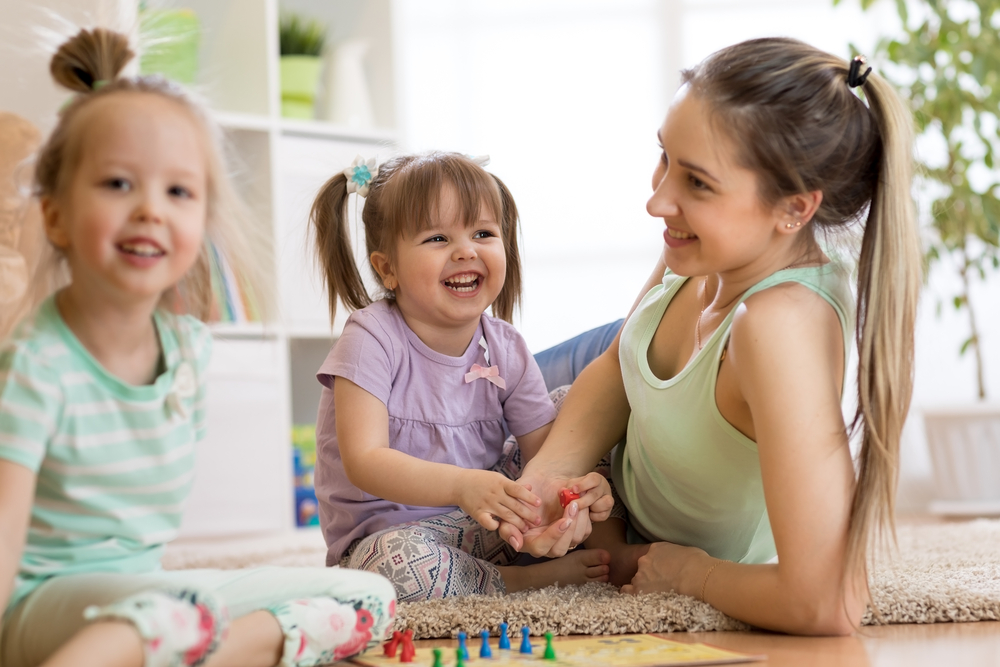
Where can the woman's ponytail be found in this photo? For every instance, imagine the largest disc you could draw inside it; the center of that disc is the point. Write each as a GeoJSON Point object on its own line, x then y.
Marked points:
{"type": "Point", "coordinates": [334, 252]}
{"type": "Point", "coordinates": [889, 280]}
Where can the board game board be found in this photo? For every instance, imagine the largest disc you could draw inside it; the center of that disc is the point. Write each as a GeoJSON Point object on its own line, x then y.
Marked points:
{"type": "Point", "coordinates": [612, 650]}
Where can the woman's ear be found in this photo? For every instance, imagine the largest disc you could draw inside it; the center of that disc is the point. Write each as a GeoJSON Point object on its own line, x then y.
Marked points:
{"type": "Point", "coordinates": [383, 266]}
{"type": "Point", "coordinates": [795, 211]}
{"type": "Point", "coordinates": [55, 230]}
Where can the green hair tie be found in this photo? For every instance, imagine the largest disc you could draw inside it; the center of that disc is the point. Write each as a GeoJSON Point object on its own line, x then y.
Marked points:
{"type": "Point", "coordinates": [98, 84]}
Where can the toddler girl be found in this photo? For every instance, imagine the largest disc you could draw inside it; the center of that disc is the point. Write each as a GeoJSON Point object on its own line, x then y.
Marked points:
{"type": "Point", "coordinates": [411, 464]}
{"type": "Point", "coordinates": [102, 400]}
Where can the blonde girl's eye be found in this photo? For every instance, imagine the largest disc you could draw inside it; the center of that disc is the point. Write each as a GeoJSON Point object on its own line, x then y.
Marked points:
{"type": "Point", "coordinates": [180, 191]}
{"type": "Point", "coordinates": [119, 184]}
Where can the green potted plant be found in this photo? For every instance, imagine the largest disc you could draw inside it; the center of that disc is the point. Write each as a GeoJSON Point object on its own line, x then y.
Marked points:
{"type": "Point", "coordinates": [170, 41]}
{"type": "Point", "coordinates": [301, 42]}
{"type": "Point", "coordinates": [946, 62]}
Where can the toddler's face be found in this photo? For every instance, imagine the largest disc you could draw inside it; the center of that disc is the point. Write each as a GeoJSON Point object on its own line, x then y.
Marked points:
{"type": "Point", "coordinates": [449, 274]}
{"type": "Point", "coordinates": [132, 214]}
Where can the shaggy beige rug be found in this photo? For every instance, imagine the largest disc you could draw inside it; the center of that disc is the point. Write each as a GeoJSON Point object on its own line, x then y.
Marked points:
{"type": "Point", "coordinates": [941, 573]}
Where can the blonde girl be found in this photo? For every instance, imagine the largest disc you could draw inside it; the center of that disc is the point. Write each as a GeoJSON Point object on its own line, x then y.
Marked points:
{"type": "Point", "coordinates": [419, 388]}
{"type": "Point", "coordinates": [726, 380]}
{"type": "Point", "coordinates": [102, 401]}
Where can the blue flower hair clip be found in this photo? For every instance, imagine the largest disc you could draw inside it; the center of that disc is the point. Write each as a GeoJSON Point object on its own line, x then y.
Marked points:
{"type": "Point", "coordinates": [360, 175]}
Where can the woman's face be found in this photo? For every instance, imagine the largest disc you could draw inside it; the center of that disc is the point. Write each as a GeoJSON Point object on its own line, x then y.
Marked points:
{"type": "Point", "coordinates": [715, 221]}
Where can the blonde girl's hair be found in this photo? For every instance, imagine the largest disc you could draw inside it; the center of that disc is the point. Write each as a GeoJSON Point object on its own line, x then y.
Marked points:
{"type": "Point", "coordinates": [90, 64]}
{"type": "Point", "coordinates": [401, 201]}
{"type": "Point", "coordinates": [800, 127]}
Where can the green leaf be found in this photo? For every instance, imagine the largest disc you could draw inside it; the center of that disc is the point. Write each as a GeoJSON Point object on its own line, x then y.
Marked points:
{"type": "Point", "coordinates": [965, 345]}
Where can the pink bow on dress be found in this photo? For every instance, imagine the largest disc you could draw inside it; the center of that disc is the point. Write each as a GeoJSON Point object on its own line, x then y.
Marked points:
{"type": "Point", "coordinates": [492, 374]}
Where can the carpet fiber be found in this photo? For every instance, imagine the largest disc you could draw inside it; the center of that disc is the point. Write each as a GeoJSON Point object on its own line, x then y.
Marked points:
{"type": "Point", "coordinates": [941, 573]}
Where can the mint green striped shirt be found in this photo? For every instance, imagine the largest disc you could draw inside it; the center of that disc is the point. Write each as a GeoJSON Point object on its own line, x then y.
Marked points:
{"type": "Point", "coordinates": [114, 461]}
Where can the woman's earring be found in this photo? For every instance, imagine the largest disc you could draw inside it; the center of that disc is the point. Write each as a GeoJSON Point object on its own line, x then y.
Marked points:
{"type": "Point", "coordinates": [788, 225]}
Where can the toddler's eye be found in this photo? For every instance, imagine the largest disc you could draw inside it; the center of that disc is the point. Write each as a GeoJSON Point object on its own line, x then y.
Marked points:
{"type": "Point", "coordinates": [437, 238]}
{"type": "Point", "coordinates": [120, 184]}
{"type": "Point", "coordinates": [483, 234]}
{"type": "Point", "coordinates": [180, 191]}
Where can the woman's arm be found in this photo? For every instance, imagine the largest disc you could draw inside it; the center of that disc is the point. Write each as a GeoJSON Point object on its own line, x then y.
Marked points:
{"type": "Point", "coordinates": [374, 467]}
{"type": "Point", "coordinates": [17, 489]}
{"type": "Point", "coordinates": [788, 359]}
{"type": "Point", "coordinates": [593, 419]}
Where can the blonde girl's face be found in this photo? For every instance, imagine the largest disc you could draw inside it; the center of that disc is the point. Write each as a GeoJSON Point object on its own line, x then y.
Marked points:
{"type": "Point", "coordinates": [131, 217]}
{"type": "Point", "coordinates": [713, 217]}
{"type": "Point", "coordinates": [445, 277]}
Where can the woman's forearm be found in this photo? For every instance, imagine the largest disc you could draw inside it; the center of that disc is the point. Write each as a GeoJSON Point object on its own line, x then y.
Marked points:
{"type": "Point", "coordinates": [592, 420]}
{"type": "Point", "coordinates": [766, 597]}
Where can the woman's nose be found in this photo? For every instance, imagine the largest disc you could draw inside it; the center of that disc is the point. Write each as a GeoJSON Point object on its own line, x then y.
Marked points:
{"type": "Point", "coordinates": [663, 203]}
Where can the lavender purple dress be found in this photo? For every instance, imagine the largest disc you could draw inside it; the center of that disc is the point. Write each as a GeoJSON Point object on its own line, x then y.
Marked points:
{"type": "Point", "coordinates": [434, 414]}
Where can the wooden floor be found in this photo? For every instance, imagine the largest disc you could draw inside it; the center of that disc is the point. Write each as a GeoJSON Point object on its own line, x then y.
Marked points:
{"type": "Point", "coordinates": [941, 644]}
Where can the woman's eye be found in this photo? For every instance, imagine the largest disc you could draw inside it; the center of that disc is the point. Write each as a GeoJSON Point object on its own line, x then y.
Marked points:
{"type": "Point", "coordinates": [118, 184]}
{"type": "Point", "coordinates": [697, 183]}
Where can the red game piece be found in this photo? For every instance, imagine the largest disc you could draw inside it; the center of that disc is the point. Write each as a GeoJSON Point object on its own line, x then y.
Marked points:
{"type": "Point", "coordinates": [390, 646]}
{"type": "Point", "coordinates": [409, 651]}
{"type": "Point", "coordinates": [566, 496]}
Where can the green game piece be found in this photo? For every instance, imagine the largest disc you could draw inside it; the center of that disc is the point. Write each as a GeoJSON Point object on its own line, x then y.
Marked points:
{"type": "Point", "coordinates": [437, 658]}
{"type": "Point", "coordinates": [459, 658]}
{"type": "Point", "coordinates": [550, 653]}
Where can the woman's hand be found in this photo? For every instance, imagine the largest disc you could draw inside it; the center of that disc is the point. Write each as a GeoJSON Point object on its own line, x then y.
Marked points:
{"type": "Point", "coordinates": [561, 529]}
{"type": "Point", "coordinates": [489, 497]}
{"type": "Point", "coordinates": [670, 567]}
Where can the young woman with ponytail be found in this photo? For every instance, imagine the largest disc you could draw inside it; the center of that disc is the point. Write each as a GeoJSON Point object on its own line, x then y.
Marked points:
{"type": "Point", "coordinates": [724, 385]}
{"type": "Point", "coordinates": [412, 470]}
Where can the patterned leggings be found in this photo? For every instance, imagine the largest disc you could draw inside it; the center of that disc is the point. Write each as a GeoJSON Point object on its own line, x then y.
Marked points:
{"type": "Point", "coordinates": [446, 555]}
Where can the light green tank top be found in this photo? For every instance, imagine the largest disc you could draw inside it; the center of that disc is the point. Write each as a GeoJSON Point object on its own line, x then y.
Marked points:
{"type": "Point", "coordinates": [686, 475]}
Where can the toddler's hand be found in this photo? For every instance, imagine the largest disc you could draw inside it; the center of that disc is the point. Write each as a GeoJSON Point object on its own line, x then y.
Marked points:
{"type": "Point", "coordinates": [487, 496]}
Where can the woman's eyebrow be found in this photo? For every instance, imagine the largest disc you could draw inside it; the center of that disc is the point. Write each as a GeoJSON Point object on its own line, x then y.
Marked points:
{"type": "Point", "coordinates": [701, 170]}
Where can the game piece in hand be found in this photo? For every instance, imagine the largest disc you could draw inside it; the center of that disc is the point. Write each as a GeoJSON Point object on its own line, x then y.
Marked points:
{"type": "Point", "coordinates": [550, 653]}
{"type": "Point", "coordinates": [484, 650]}
{"type": "Point", "coordinates": [389, 650]}
{"type": "Point", "coordinates": [462, 647]}
{"type": "Point", "coordinates": [504, 639]}
{"type": "Point", "coordinates": [408, 651]}
{"type": "Point", "coordinates": [566, 496]}
{"type": "Point", "coordinates": [459, 658]}
{"type": "Point", "coordinates": [525, 642]}
{"type": "Point", "coordinates": [437, 658]}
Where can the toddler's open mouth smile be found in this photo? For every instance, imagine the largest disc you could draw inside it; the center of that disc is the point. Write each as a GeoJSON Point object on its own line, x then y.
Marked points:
{"type": "Point", "coordinates": [463, 283]}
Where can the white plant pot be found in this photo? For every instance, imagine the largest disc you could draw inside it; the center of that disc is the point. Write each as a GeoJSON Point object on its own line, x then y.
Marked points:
{"type": "Point", "coordinates": [964, 444]}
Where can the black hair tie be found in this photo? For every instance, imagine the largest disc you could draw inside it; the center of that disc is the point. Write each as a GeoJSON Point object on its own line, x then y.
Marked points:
{"type": "Point", "coordinates": [853, 78]}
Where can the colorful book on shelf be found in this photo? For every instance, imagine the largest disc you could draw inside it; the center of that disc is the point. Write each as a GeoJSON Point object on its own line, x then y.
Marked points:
{"type": "Point", "coordinates": [233, 302]}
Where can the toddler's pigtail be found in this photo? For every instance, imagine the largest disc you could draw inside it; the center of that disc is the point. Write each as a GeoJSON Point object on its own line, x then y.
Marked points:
{"type": "Point", "coordinates": [510, 296]}
{"type": "Point", "coordinates": [334, 252]}
{"type": "Point", "coordinates": [90, 58]}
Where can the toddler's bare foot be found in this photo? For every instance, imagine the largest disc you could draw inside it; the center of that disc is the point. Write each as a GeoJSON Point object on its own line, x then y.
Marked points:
{"type": "Point", "coordinates": [577, 567]}
{"type": "Point", "coordinates": [610, 536]}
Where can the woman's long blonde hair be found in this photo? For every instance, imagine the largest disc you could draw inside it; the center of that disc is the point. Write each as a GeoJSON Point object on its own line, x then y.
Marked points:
{"type": "Point", "coordinates": [800, 127]}
{"type": "Point", "coordinates": [90, 64]}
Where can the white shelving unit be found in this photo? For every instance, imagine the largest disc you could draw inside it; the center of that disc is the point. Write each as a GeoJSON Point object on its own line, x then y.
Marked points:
{"type": "Point", "coordinates": [262, 377]}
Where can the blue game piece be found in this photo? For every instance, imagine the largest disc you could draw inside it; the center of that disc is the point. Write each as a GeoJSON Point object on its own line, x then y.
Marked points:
{"type": "Point", "coordinates": [462, 647]}
{"type": "Point", "coordinates": [504, 639]}
{"type": "Point", "coordinates": [525, 642]}
{"type": "Point", "coordinates": [484, 650]}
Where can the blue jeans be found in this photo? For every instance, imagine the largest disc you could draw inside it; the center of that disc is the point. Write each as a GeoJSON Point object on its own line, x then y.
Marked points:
{"type": "Point", "coordinates": [561, 363]}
